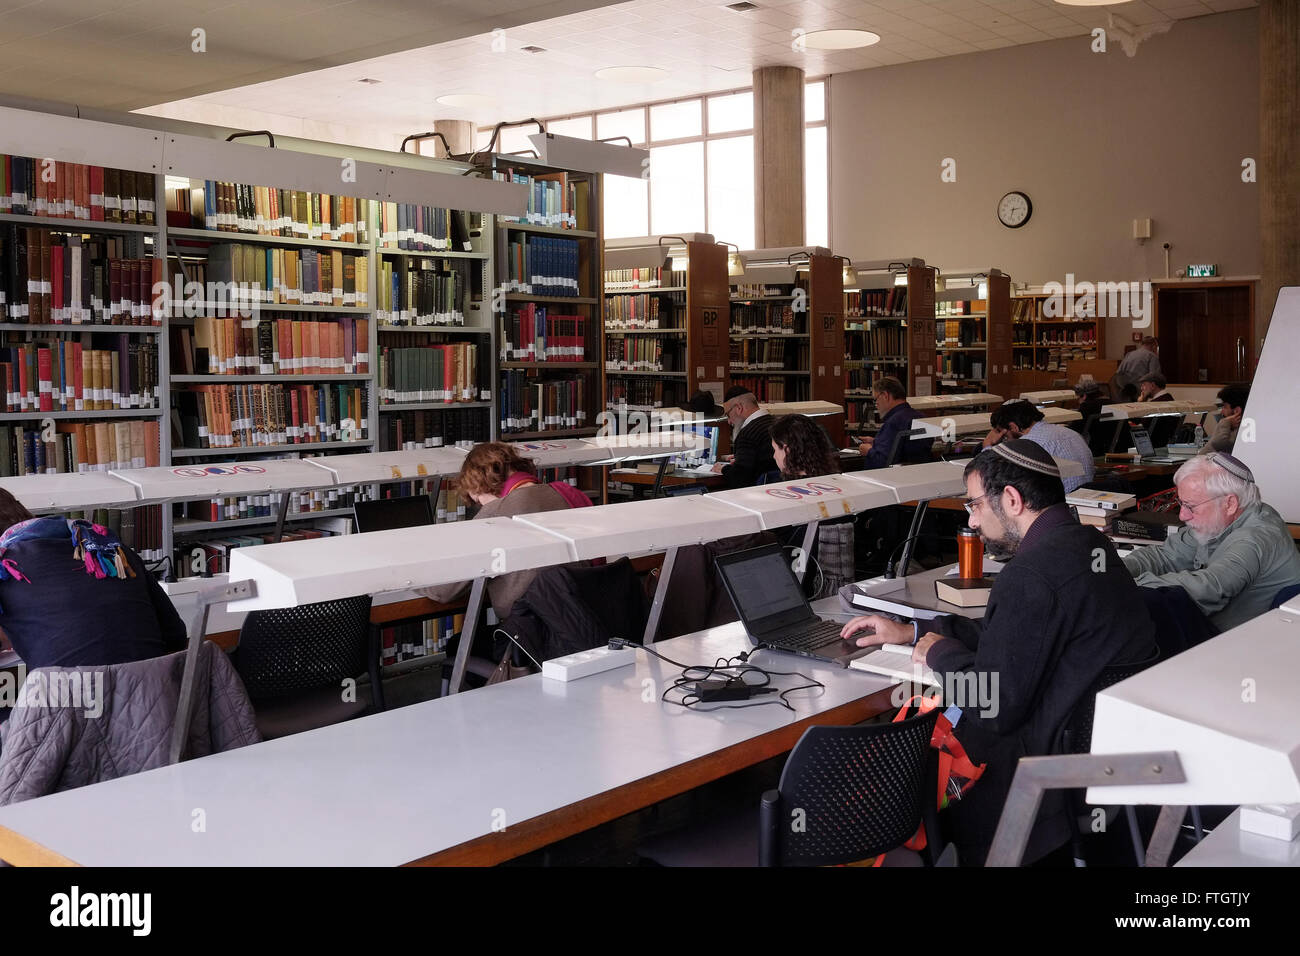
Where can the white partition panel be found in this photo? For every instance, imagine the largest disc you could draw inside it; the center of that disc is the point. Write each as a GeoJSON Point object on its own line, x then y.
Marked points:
{"type": "Point", "coordinates": [202, 480]}
{"type": "Point", "coordinates": [391, 465]}
{"type": "Point", "coordinates": [786, 503]}
{"type": "Point", "coordinates": [931, 479]}
{"type": "Point", "coordinates": [71, 492]}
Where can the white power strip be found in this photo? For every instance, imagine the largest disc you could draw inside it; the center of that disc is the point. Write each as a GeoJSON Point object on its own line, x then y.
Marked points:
{"type": "Point", "coordinates": [585, 663]}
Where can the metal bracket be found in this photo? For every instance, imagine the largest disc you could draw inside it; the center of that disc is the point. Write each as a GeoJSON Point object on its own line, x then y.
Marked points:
{"type": "Point", "coordinates": [473, 612]}
{"type": "Point", "coordinates": [661, 592]}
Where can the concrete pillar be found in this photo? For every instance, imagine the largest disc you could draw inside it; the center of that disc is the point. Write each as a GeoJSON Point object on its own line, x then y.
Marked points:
{"type": "Point", "coordinates": [459, 133]}
{"type": "Point", "coordinates": [1279, 148]}
{"type": "Point", "coordinates": [778, 157]}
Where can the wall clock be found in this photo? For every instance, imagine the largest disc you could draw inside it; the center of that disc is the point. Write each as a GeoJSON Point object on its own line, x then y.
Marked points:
{"type": "Point", "coordinates": [1014, 209]}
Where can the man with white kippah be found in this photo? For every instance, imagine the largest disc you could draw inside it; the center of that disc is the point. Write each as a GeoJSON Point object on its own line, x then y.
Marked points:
{"type": "Point", "coordinates": [1233, 554]}
{"type": "Point", "coordinates": [1062, 609]}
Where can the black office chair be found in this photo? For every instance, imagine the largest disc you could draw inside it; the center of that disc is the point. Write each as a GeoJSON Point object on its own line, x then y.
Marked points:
{"type": "Point", "coordinates": [1284, 595]}
{"type": "Point", "coordinates": [295, 661]}
{"type": "Point", "coordinates": [1076, 738]}
{"type": "Point", "coordinates": [769, 477]}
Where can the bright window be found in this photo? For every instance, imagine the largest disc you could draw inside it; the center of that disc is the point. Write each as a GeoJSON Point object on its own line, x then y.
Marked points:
{"type": "Point", "coordinates": [629, 123]}
{"type": "Point", "coordinates": [579, 127]}
{"type": "Point", "coordinates": [627, 207]}
{"type": "Point", "coordinates": [731, 190]}
{"type": "Point", "coordinates": [675, 121]}
{"type": "Point", "coordinates": [816, 200]}
{"type": "Point", "coordinates": [677, 189]}
{"type": "Point", "coordinates": [731, 113]}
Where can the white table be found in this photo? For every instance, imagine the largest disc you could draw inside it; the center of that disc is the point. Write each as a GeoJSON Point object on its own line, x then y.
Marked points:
{"type": "Point", "coordinates": [1226, 845]}
{"type": "Point", "coordinates": [437, 781]}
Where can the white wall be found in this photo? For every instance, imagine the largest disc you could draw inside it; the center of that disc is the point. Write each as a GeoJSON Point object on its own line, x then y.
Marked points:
{"type": "Point", "coordinates": [1095, 140]}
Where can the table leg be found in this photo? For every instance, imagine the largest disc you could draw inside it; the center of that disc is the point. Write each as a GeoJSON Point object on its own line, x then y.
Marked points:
{"type": "Point", "coordinates": [473, 612]}
{"type": "Point", "coordinates": [661, 592]}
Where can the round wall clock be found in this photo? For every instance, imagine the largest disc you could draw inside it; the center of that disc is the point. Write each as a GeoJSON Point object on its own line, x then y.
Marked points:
{"type": "Point", "coordinates": [1014, 209]}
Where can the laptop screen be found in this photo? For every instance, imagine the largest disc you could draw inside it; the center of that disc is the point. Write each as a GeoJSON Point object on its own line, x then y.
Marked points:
{"type": "Point", "coordinates": [764, 590]}
{"type": "Point", "coordinates": [1142, 442]}
{"type": "Point", "coordinates": [385, 514]}
{"type": "Point", "coordinates": [706, 456]}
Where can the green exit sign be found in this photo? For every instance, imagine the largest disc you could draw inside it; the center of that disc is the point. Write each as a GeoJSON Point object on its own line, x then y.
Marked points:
{"type": "Point", "coordinates": [1202, 270]}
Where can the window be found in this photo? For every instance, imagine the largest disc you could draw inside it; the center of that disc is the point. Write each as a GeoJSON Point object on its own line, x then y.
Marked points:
{"type": "Point", "coordinates": [701, 165]}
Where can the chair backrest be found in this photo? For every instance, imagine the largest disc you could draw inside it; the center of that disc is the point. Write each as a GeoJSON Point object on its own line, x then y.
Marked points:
{"type": "Point", "coordinates": [1284, 595]}
{"type": "Point", "coordinates": [848, 793]}
{"type": "Point", "coordinates": [767, 477]}
{"type": "Point", "coordinates": [1179, 622]}
{"type": "Point", "coordinates": [296, 649]}
{"type": "Point", "coordinates": [1077, 736]}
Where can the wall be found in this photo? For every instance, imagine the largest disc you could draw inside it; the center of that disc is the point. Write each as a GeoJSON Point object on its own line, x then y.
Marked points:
{"type": "Point", "coordinates": [1095, 140]}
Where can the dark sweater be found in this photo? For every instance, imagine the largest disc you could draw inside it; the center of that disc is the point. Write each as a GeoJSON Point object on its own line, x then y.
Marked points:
{"type": "Point", "coordinates": [64, 617]}
{"type": "Point", "coordinates": [910, 450]}
{"type": "Point", "coordinates": [752, 451]}
{"type": "Point", "coordinates": [1062, 609]}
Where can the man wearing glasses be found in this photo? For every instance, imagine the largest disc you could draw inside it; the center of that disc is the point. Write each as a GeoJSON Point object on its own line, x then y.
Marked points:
{"type": "Point", "coordinates": [751, 445]}
{"type": "Point", "coordinates": [1061, 610]}
{"type": "Point", "coordinates": [1233, 554]}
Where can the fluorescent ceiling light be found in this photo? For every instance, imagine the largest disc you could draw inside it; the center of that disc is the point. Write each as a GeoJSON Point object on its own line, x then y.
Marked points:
{"type": "Point", "coordinates": [839, 39]}
{"type": "Point", "coordinates": [632, 74]}
{"type": "Point", "coordinates": [468, 101]}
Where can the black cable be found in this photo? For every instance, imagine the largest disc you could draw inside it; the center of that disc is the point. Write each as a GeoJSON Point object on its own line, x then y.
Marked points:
{"type": "Point", "coordinates": [889, 564]}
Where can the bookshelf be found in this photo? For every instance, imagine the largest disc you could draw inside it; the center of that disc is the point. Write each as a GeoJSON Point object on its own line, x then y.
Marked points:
{"type": "Point", "coordinates": [973, 342]}
{"type": "Point", "coordinates": [888, 316]}
{"type": "Point", "coordinates": [1043, 344]}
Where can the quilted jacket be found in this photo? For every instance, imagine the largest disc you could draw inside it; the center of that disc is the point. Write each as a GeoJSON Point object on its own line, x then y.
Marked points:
{"type": "Point", "coordinates": [82, 725]}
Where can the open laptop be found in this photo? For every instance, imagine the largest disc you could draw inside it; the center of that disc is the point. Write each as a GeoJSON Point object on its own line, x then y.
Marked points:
{"type": "Point", "coordinates": [701, 462]}
{"type": "Point", "coordinates": [1147, 450]}
{"type": "Point", "coordinates": [385, 514]}
{"type": "Point", "coordinates": [771, 605]}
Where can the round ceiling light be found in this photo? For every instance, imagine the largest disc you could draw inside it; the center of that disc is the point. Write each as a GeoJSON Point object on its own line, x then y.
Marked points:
{"type": "Point", "coordinates": [839, 39]}
{"type": "Point", "coordinates": [468, 101]}
{"type": "Point", "coordinates": [632, 74]}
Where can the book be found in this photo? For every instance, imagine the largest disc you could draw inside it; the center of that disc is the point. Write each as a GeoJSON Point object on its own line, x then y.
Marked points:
{"type": "Point", "coordinates": [1148, 525]}
{"type": "Point", "coordinates": [895, 660]}
{"type": "Point", "coordinates": [1108, 500]}
{"type": "Point", "coordinates": [964, 592]}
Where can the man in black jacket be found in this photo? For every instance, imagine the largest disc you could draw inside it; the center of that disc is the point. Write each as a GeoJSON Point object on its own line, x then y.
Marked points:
{"type": "Point", "coordinates": [1062, 609]}
{"type": "Point", "coordinates": [751, 442]}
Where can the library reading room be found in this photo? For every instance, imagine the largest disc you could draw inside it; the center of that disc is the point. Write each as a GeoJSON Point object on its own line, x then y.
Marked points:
{"type": "Point", "coordinates": [663, 433]}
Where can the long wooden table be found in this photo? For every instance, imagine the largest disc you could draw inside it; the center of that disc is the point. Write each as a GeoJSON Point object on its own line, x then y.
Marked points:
{"type": "Point", "coordinates": [476, 778]}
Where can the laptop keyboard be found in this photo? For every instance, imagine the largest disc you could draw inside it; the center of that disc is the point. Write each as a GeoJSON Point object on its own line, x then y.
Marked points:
{"type": "Point", "coordinates": [816, 635]}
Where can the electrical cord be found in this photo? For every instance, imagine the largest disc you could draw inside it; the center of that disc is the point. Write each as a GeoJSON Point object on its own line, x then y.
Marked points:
{"type": "Point", "coordinates": [725, 670]}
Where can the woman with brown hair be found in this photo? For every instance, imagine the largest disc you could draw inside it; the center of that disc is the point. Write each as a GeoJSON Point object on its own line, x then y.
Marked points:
{"type": "Point", "coordinates": [504, 483]}
{"type": "Point", "coordinates": [802, 448]}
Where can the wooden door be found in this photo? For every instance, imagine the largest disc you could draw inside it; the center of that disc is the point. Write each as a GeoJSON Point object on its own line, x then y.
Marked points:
{"type": "Point", "coordinates": [1205, 333]}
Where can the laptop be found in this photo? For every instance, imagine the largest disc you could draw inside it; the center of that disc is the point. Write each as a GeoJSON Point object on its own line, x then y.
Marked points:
{"type": "Point", "coordinates": [701, 462]}
{"type": "Point", "coordinates": [385, 514]}
{"type": "Point", "coordinates": [1146, 448]}
{"type": "Point", "coordinates": [776, 615]}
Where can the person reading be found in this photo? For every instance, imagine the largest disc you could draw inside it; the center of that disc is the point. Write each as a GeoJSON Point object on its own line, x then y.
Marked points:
{"type": "Point", "coordinates": [751, 444]}
{"type": "Point", "coordinates": [1061, 610]}
{"type": "Point", "coordinates": [1018, 418]}
{"type": "Point", "coordinates": [896, 415]}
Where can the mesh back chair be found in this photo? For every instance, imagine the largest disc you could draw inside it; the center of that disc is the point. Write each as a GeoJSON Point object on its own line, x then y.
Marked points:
{"type": "Point", "coordinates": [857, 792]}
{"type": "Point", "coordinates": [294, 660]}
{"type": "Point", "coordinates": [1076, 738]}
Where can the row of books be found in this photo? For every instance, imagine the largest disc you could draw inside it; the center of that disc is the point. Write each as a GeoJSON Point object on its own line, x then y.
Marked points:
{"type": "Point", "coordinates": [756, 290]}
{"type": "Point", "coordinates": [529, 405]}
{"type": "Point", "coordinates": [210, 556]}
{"type": "Point", "coordinates": [767, 355]}
{"type": "Point", "coordinates": [863, 379]}
{"type": "Point", "coordinates": [270, 415]}
{"type": "Point", "coordinates": [619, 280]}
{"type": "Point", "coordinates": [239, 507]}
{"type": "Point", "coordinates": [644, 393]}
{"type": "Point", "coordinates": [964, 307]}
{"type": "Point", "coordinates": [59, 375]}
{"type": "Point", "coordinates": [1025, 310]}
{"type": "Point", "coordinates": [140, 529]}
{"type": "Point", "coordinates": [552, 199]}
{"type": "Point", "coordinates": [890, 302]}
{"type": "Point", "coordinates": [423, 291]}
{"type": "Point", "coordinates": [962, 365]}
{"type": "Point", "coordinates": [888, 339]}
{"type": "Point", "coordinates": [417, 228]}
{"type": "Point", "coordinates": [429, 373]}
{"type": "Point", "coordinates": [269, 211]}
{"type": "Point", "coordinates": [775, 389]}
{"type": "Point", "coordinates": [767, 317]}
{"type": "Point", "coordinates": [1057, 357]}
{"type": "Point", "coordinates": [643, 353]}
{"type": "Point", "coordinates": [267, 274]}
{"type": "Point", "coordinates": [271, 345]}
{"type": "Point", "coordinates": [61, 190]}
{"type": "Point", "coordinates": [958, 332]}
{"type": "Point", "coordinates": [78, 447]}
{"type": "Point", "coordinates": [48, 277]}
{"type": "Point", "coordinates": [542, 265]}
{"type": "Point", "coordinates": [641, 311]}
{"type": "Point", "coordinates": [1058, 336]}
{"type": "Point", "coordinates": [406, 642]}
{"type": "Point", "coordinates": [433, 428]}
{"type": "Point", "coordinates": [537, 334]}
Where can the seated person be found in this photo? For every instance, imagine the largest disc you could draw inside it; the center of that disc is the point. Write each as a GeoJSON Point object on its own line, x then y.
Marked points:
{"type": "Point", "coordinates": [751, 446]}
{"type": "Point", "coordinates": [896, 415]}
{"type": "Point", "coordinates": [802, 449]}
{"type": "Point", "coordinates": [1151, 388]}
{"type": "Point", "coordinates": [503, 483]}
{"type": "Point", "coordinates": [1090, 401]}
{"type": "Point", "coordinates": [1234, 553]}
{"type": "Point", "coordinates": [1053, 623]}
{"type": "Point", "coordinates": [1018, 418]}
{"type": "Point", "coordinates": [72, 595]}
{"type": "Point", "coordinates": [1224, 436]}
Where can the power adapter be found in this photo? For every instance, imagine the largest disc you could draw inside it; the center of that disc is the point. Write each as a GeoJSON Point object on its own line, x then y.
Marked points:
{"type": "Point", "coordinates": [709, 691]}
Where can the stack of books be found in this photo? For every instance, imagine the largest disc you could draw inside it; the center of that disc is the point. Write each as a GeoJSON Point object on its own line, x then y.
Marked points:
{"type": "Point", "coordinates": [1100, 508]}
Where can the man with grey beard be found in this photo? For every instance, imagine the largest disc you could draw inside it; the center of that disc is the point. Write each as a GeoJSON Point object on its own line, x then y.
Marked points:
{"type": "Point", "coordinates": [1233, 554]}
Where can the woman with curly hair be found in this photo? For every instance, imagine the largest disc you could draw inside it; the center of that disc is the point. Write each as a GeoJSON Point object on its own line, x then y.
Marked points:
{"type": "Point", "coordinates": [802, 448]}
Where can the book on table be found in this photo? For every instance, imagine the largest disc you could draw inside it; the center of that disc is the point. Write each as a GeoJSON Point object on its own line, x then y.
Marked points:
{"type": "Point", "coordinates": [1108, 500]}
{"type": "Point", "coordinates": [895, 660]}
{"type": "Point", "coordinates": [964, 592]}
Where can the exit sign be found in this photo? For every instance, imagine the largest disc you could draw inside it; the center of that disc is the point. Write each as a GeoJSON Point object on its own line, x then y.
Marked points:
{"type": "Point", "coordinates": [1202, 270]}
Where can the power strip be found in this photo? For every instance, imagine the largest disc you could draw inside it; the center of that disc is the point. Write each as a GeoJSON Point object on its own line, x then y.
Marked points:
{"type": "Point", "coordinates": [585, 663]}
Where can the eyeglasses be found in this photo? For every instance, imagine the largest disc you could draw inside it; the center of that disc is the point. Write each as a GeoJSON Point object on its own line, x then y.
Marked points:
{"type": "Point", "coordinates": [969, 503]}
{"type": "Point", "coordinates": [1192, 507]}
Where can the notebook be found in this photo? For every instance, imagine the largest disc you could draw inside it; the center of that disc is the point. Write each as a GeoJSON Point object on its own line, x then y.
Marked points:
{"type": "Point", "coordinates": [895, 660]}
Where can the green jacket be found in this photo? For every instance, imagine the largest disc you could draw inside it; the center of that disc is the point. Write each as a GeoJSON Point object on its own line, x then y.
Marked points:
{"type": "Point", "coordinates": [1232, 577]}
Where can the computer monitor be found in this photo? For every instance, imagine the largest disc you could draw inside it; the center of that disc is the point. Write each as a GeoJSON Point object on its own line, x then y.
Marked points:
{"type": "Point", "coordinates": [385, 514]}
{"type": "Point", "coordinates": [706, 456]}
